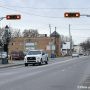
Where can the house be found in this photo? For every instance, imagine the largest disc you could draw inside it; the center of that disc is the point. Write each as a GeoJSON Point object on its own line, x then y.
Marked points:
{"type": "Point", "coordinates": [49, 44]}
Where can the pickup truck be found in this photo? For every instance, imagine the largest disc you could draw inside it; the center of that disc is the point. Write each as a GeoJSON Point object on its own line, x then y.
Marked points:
{"type": "Point", "coordinates": [36, 57]}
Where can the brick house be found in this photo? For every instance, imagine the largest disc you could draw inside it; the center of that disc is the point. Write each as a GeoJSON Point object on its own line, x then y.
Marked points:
{"type": "Point", "coordinates": [46, 43]}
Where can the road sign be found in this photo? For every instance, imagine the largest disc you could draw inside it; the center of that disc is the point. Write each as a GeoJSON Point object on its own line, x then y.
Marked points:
{"type": "Point", "coordinates": [13, 17]}
{"type": "Point", "coordinates": [71, 14]}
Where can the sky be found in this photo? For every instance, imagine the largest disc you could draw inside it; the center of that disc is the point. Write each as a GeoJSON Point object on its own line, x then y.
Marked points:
{"type": "Point", "coordinates": [38, 14]}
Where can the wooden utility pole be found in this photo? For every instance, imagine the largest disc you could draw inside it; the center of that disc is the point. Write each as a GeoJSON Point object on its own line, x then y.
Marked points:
{"type": "Point", "coordinates": [50, 40]}
{"type": "Point", "coordinates": [55, 43]}
{"type": "Point", "coordinates": [70, 39]}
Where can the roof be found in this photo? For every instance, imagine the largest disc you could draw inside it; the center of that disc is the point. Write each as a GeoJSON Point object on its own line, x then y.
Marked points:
{"type": "Point", "coordinates": [55, 34]}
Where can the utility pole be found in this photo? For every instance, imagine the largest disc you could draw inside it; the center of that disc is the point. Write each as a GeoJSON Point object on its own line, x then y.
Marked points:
{"type": "Point", "coordinates": [55, 43]}
{"type": "Point", "coordinates": [70, 39]}
{"type": "Point", "coordinates": [50, 40]}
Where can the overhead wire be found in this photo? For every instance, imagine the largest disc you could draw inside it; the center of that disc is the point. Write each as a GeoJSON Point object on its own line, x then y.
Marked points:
{"type": "Point", "coordinates": [80, 29]}
{"type": "Point", "coordinates": [29, 13]}
{"type": "Point", "coordinates": [57, 8]}
{"type": "Point", "coordinates": [9, 7]}
{"type": "Point", "coordinates": [41, 8]}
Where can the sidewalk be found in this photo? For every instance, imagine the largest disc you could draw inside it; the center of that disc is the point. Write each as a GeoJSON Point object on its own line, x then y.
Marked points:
{"type": "Point", "coordinates": [11, 64]}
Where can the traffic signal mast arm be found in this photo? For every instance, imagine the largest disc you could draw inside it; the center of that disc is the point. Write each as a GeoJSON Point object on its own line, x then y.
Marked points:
{"type": "Point", "coordinates": [85, 15]}
{"type": "Point", "coordinates": [1, 18]}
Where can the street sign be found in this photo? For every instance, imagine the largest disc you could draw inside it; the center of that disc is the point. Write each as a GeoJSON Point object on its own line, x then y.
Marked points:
{"type": "Point", "coordinates": [13, 17]}
{"type": "Point", "coordinates": [71, 14]}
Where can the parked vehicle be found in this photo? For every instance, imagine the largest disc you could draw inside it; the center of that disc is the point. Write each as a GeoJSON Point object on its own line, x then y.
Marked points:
{"type": "Point", "coordinates": [75, 55]}
{"type": "Point", "coordinates": [17, 55]}
{"type": "Point", "coordinates": [36, 57]}
{"type": "Point", "coordinates": [3, 55]}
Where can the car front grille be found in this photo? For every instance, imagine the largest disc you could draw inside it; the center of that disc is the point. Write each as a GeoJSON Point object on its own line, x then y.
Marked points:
{"type": "Point", "coordinates": [31, 59]}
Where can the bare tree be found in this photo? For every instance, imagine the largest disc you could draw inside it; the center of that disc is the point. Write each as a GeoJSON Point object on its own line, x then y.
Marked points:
{"type": "Point", "coordinates": [86, 45]}
{"type": "Point", "coordinates": [15, 33]}
{"type": "Point", "coordinates": [30, 33]}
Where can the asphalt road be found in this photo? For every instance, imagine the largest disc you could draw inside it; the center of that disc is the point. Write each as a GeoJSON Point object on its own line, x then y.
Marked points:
{"type": "Point", "coordinates": [65, 74]}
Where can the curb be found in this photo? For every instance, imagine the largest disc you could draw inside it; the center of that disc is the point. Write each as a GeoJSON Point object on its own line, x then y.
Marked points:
{"type": "Point", "coordinates": [12, 65]}
{"type": "Point", "coordinates": [6, 66]}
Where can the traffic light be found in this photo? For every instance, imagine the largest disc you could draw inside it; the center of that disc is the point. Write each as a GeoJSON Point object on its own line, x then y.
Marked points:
{"type": "Point", "coordinates": [71, 14]}
{"type": "Point", "coordinates": [13, 17]}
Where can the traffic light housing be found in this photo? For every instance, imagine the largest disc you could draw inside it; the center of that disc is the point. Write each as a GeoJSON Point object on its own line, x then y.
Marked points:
{"type": "Point", "coordinates": [13, 17]}
{"type": "Point", "coordinates": [71, 14]}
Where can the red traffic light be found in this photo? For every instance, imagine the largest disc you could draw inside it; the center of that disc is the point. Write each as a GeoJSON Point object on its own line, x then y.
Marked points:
{"type": "Point", "coordinates": [71, 14]}
{"type": "Point", "coordinates": [13, 17]}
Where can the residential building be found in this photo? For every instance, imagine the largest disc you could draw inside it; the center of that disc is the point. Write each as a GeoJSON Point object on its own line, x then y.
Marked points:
{"type": "Point", "coordinates": [49, 44]}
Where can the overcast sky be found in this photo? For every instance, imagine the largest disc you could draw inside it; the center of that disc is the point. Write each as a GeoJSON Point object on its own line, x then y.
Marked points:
{"type": "Point", "coordinates": [38, 14]}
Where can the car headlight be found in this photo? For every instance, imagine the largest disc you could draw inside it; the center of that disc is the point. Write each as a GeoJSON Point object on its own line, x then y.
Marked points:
{"type": "Point", "coordinates": [38, 58]}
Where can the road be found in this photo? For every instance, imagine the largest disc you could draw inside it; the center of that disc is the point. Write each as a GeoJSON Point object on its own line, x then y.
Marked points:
{"type": "Point", "coordinates": [68, 74]}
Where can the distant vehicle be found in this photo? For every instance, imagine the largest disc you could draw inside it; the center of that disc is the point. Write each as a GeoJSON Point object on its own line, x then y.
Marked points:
{"type": "Point", "coordinates": [80, 54]}
{"type": "Point", "coordinates": [75, 55]}
{"type": "Point", "coordinates": [85, 54]}
{"type": "Point", "coordinates": [3, 54]}
{"type": "Point", "coordinates": [36, 57]}
{"type": "Point", "coordinates": [17, 55]}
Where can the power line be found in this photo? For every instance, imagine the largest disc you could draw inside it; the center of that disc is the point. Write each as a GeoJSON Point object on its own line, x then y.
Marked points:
{"type": "Point", "coordinates": [30, 13]}
{"type": "Point", "coordinates": [80, 29]}
{"type": "Point", "coordinates": [41, 8]}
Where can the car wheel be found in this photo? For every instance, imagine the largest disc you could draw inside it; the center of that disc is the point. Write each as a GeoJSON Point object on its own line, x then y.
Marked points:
{"type": "Point", "coordinates": [26, 64]}
{"type": "Point", "coordinates": [46, 62]}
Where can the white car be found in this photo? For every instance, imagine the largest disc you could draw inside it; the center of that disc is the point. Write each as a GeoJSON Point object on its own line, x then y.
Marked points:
{"type": "Point", "coordinates": [36, 57]}
{"type": "Point", "coordinates": [75, 55]}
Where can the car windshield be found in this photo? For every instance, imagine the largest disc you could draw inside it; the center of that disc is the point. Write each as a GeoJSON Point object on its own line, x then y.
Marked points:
{"type": "Point", "coordinates": [34, 52]}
